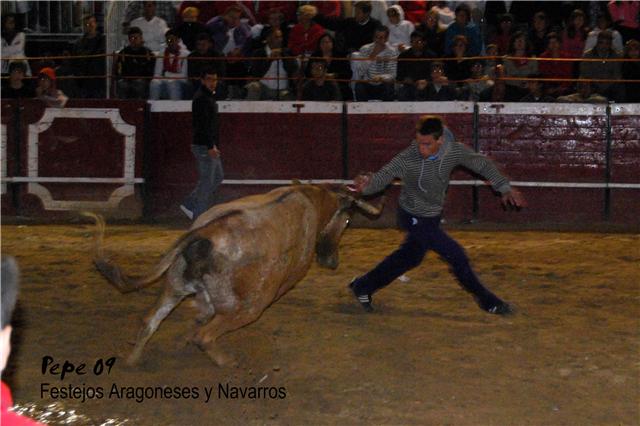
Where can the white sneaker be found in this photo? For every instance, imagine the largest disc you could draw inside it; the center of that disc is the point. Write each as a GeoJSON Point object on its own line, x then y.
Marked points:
{"type": "Point", "coordinates": [186, 211]}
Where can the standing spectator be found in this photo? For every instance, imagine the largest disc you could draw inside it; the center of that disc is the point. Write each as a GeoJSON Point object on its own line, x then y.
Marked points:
{"type": "Point", "coordinates": [626, 16]}
{"type": "Point", "coordinates": [458, 68]}
{"type": "Point", "coordinates": [575, 34]}
{"type": "Point", "coordinates": [538, 33]}
{"type": "Point", "coordinates": [16, 87]}
{"type": "Point", "coordinates": [519, 65]}
{"type": "Point", "coordinates": [463, 26]}
{"type": "Point", "coordinates": [433, 32]}
{"type": "Point", "coordinates": [272, 69]}
{"type": "Point", "coordinates": [205, 147]}
{"type": "Point", "coordinates": [170, 73]}
{"type": "Point", "coordinates": [134, 67]}
{"type": "Point", "coordinates": [304, 36]}
{"type": "Point", "coordinates": [536, 90]}
{"type": "Point", "coordinates": [413, 75]}
{"type": "Point", "coordinates": [555, 69]}
{"type": "Point", "coordinates": [503, 34]}
{"type": "Point", "coordinates": [13, 43]}
{"type": "Point", "coordinates": [399, 28]}
{"type": "Point", "coordinates": [439, 88]}
{"type": "Point", "coordinates": [318, 88]}
{"type": "Point", "coordinates": [46, 90]}
{"type": "Point", "coordinates": [232, 37]}
{"type": "Point", "coordinates": [190, 27]}
{"type": "Point", "coordinates": [206, 56]}
{"type": "Point", "coordinates": [379, 68]}
{"type": "Point", "coordinates": [603, 68]}
{"type": "Point", "coordinates": [352, 33]}
{"type": "Point", "coordinates": [337, 65]}
{"type": "Point", "coordinates": [631, 71]}
{"type": "Point", "coordinates": [91, 43]}
{"type": "Point", "coordinates": [153, 27]}
{"type": "Point", "coordinates": [603, 23]}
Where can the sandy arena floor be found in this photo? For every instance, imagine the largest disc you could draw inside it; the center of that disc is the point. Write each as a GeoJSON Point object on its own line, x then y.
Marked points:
{"type": "Point", "coordinates": [429, 356]}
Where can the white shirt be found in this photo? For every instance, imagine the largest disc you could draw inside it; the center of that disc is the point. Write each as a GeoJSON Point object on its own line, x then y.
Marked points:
{"type": "Point", "coordinates": [152, 31]}
{"type": "Point", "coordinates": [276, 69]}
{"type": "Point", "coordinates": [231, 42]}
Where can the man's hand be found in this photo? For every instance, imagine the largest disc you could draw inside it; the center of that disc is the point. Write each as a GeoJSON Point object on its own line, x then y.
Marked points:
{"type": "Point", "coordinates": [514, 199]}
{"type": "Point", "coordinates": [421, 84]}
{"type": "Point", "coordinates": [214, 152]}
{"type": "Point", "coordinates": [360, 182]}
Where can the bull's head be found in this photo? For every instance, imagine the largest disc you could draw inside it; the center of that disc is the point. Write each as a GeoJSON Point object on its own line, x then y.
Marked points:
{"type": "Point", "coordinates": [329, 239]}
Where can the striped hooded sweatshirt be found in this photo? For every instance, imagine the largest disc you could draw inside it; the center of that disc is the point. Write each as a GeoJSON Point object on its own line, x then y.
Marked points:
{"type": "Point", "coordinates": [426, 179]}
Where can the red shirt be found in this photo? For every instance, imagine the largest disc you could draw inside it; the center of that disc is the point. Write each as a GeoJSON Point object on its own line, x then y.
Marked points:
{"type": "Point", "coordinates": [301, 40]}
{"type": "Point", "coordinates": [9, 418]}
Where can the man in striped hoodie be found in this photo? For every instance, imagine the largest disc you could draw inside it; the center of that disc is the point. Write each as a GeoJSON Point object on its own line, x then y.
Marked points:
{"type": "Point", "coordinates": [425, 168]}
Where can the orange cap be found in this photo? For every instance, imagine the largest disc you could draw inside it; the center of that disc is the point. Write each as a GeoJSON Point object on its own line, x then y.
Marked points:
{"type": "Point", "coordinates": [49, 72]}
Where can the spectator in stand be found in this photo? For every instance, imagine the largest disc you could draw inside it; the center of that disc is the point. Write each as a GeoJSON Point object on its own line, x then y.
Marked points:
{"type": "Point", "coordinates": [445, 15]}
{"type": "Point", "coordinates": [536, 90]}
{"type": "Point", "coordinates": [232, 37]}
{"type": "Point", "coordinates": [463, 26]}
{"type": "Point", "coordinates": [503, 34]}
{"type": "Point", "coordinates": [413, 74]}
{"type": "Point", "coordinates": [414, 11]}
{"type": "Point", "coordinates": [522, 11]}
{"type": "Point", "coordinates": [603, 23]}
{"type": "Point", "coordinates": [304, 36]}
{"type": "Point", "coordinates": [46, 90]}
{"type": "Point", "coordinates": [318, 88]}
{"type": "Point", "coordinates": [275, 19]}
{"type": "Point", "coordinates": [379, 69]}
{"type": "Point", "coordinates": [492, 60]}
{"type": "Point", "coordinates": [271, 71]}
{"type": "Point", "coordinates": [207, 9]}
{"type": "Point", "coordinates": [190, 28]}
{"type": "Point", "coordinates": [352, 33]}
{"type": "Point", "coordinates": [439, 88]}
{"type": "Point", "coordinates": [13, 44]}
{"type": "Point", "coordinates": [433, 32]}
{"type": "Point", "coordinates": [91, 43]}
{"type": "Point", "coordinates": [399, 28]}
{"type": "Point", "coordinates": [479, 81]}
{"type": "Point", "coordinates": [134, 67]}
{"type": "Point", "coordinates": [631, 71]}
{"type": "Point", "coordinates": [499, 91]}
{"type": "Point", "coordinates": [538, 33]}
{"type": "Point", "coordinates": [519, 65]}
{"type": "Point", "coordinates": [153, 27]}
{"type": "Point", "coordinates": [626, 16]}
{"type": "Point", "coordinates": [458, 68]}
{"type": "Point", "coordinates": [555, 69]}
{"type": "Point", "coordinates": [575, 34]}
{"type": "Point", "coordinates": [16, 87]}
{"type": "Point", "coordinates": [583, 95]}
{"type": "Point", "coordinates": [337, 68]}
{"type": "Point", "coordinates": [170, 73]}
{"type": "Point", "coordinates": [66, 68]}
{"type": "Point", "coordinates": [603, 68]}
{"type": "Point", "coordinates": [205, 56]}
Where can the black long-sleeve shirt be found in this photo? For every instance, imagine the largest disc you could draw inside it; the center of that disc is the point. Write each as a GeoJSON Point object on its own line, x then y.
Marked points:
{"type": "Point", "coordinates": [204, 112]}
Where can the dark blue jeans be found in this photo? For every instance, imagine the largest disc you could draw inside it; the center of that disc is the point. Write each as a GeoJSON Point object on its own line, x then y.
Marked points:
{"type": "Point", "coordinates": [210, 176]}
{"type": "Point", "coordinates": [423, 234]}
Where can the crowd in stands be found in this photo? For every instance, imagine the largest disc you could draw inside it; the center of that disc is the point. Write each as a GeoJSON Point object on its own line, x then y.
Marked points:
{"type": "Point", "coordinates": [322, 50]}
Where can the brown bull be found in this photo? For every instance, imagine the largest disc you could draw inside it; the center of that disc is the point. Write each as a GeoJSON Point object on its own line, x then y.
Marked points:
{"type": "Point", "coordinates": [240, 257]}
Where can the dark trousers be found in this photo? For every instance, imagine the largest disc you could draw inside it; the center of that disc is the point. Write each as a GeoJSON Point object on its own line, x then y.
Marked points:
{"type": "Point", "coordinates": [423, 234]}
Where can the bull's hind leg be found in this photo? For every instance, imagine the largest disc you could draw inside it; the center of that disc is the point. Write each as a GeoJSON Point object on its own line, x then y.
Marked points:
{"type": "Point", "coordinates": [173, 294]}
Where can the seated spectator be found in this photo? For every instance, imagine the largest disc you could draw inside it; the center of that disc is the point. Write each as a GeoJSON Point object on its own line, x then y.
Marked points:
{"type": "Point", "coordinates": [134, 67]}
{"type": "Point", "coordinates": [604, 69]}
{"type": "Point", "coordinates": [304, 36]}
{"type": "Point", "coordinates": [538, 33]}
{"type": "Point", "coordinates": [232, 37]}
{"type": "Point", "coordinates": [379, 68]}
{"type": "Point", "coordinates": [413, 75]}
{"type": "Point", "coordinates": [46, 90]}
{"type": "Point", "coordinates": [604, 23]}
{"type": "Point", "coordinates": [499, 91]}
{"type": "Point", "coordinates": [66, 72]}
{"type": "Point", "coordinates": [91, 43]}
{"type": "Point", "coordinates": [492, 60]}
{"type": "Point", "coordinates": [16, 87]}
{"type": "Point", "coordinates": [272, 71]}
{"type": "Point", "coordinates": [170, 73]}
{"type": "Point", "coordinates": [583, 95]}
{"type": "Point", "coordinates": [575, 34]}
{"type": "Point", "coordinates": [190, 27]}
{"type": "Point", "coordinates": [536, 90]}
{"type": "Point", "coordinates": [625, 15]}
{"type": "Point", "coordinates": [399, 28]}
{"type": "Point", "coordinates": [318, 88]}
{"type": "Point", "coordinates": [556, 69]}
{"type": "Point", "coordinates": [459, 69]}
{"type": "Point", "coordinates": [631, 71]}
{"type": "Point", "coordinates": [438, 88]}
{"type": "Point", "coordinates": [445, 15]}
{"type": "Point", "coordinates": [203, 57]}
{"type": "Point", "coordinates": [479, 81]}
{"type": "Point", "coordinates": [164, 10]}
{"type": "Point", "coordinates": [433, 32]}
{"type": "Point", "coordinates": [275, 19]}
{"type": "Point", "coordinates": [519, 65]}
{"type": "Point", "coordinates": [352, 33]}
{"type": "Point", "coordinates": [153, 27]}
{"type": "Point", "coordinates": [13, 44]}
{"type": "Point", "coordinates": [463, 26]}
{"type": "Point", "coordinates": [503, 34]}
{"type": "Point", "coordinates": [336, 67]}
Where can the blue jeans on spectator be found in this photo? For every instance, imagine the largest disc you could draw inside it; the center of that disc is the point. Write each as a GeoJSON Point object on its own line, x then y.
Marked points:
{"type": "Point", "coordinates": [210, 176]}
{"type": "Point", "coordinates": [381, 92]}
{"type": "Point", "coordinates": [166, 89]}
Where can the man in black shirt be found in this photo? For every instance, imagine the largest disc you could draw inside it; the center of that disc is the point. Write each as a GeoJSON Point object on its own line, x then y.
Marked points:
{"type": "Point", "coordinates": [205, 146]}
{"type": "Point", "coordinates": [352, 33]}
{"type": "Point", "coordinates": [16, 87]}
{"type": "Point", "coordinates": [134, 67]}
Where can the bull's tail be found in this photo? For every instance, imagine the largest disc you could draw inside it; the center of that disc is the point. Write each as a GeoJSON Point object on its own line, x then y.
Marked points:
{"type": "Point", "coordinates": [114, 274]}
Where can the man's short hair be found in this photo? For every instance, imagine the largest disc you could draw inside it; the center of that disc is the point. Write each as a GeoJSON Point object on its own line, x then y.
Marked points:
{"type": "Point", "coordinates": [171, 32]}
{"type": "Point", "coordinates": [317, 60]}
{"type": "Point", "coordinates": [208, 70]}
{"type": "Point", "coordinates": [463, 8]}
{"type": "Point", "coordinates": [430, 125]}
{"type": "Point", "coordinates": [382, 29]}
{"type": "Point", "coordinates": [10, 276]}
{"type": "Point", "coordinates": [17, 65]}
{"type": "Point", "coordinates": [134, 30]}
{"type": "Point", "coordinates": [417, 34]}
{"type": "Point", "coordinates": [364, 6]}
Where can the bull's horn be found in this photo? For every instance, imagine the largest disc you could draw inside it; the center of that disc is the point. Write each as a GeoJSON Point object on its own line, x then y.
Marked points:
{"type": "Point", "coordinates": [369, 208]}
{"type": "Point", "coordinates": [296, 182]}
